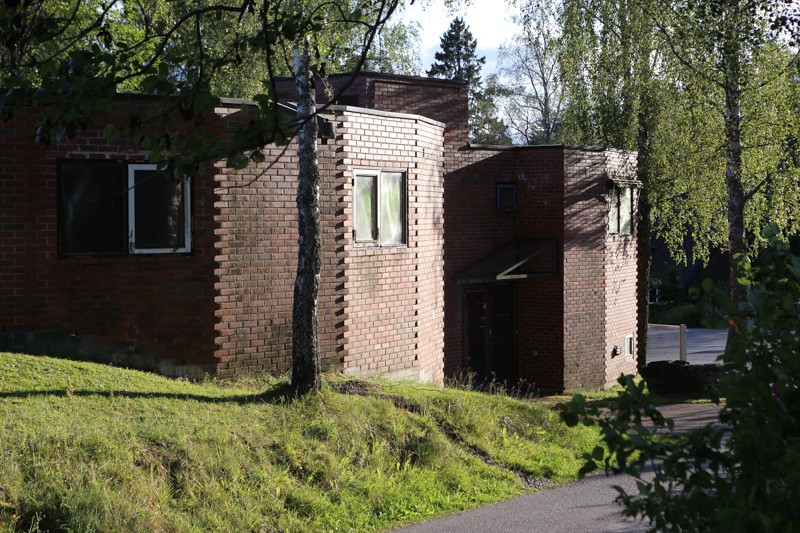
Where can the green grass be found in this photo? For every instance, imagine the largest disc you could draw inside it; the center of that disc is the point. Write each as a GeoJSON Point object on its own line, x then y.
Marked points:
{"type": "Point", "coordinates": [88, 447]}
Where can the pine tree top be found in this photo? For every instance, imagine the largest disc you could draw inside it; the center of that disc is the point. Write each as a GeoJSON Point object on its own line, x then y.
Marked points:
{"type": "Point", "coordinates": [457, 59]}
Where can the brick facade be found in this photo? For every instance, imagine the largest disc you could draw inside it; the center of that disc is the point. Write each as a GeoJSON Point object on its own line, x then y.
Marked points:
{"type": "Point", "coordinates": [226, 306]}
{"type": "Point", "coordinates": [155, 311]}
{"type": "Point", "coordinates": [621, 283]}
{"type": "Point", "coordinates": [412, 310]}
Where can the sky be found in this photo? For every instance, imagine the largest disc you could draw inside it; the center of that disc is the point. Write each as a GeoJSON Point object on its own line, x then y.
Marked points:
{"type": "Point", "coordinates": [488, 20]}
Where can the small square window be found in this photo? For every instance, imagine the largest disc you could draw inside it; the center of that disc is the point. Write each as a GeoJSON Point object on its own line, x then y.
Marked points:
{"type": "Point", "coordinates": [620, 216]}
{"type": "Point", "coordinates": [379, 205]}
{"type": "Point", "coordinates": [506, 197]}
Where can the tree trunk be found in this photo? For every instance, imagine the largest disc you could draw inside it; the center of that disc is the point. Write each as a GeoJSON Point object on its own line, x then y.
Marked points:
{"type": "Point", "coordinates": [643, 260]}
{"type": "Point", "coordinates": [305, 338]}
{"type": "Point", "coordinates": [733, 171]}
{"type": "Point", "coordinates": [646, 112]}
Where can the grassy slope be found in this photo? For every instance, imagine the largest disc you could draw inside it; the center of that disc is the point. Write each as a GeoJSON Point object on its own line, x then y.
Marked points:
{"type": "Point", "coordinates": [87, 447]}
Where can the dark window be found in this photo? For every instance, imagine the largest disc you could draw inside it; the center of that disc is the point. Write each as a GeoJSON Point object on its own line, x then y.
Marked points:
{"type": "Point", "coordinates": [348, 99]}
{"type": "Point", "coordinates": [506, 197]}
{"type": "Point", "coordinates": [107, 208]}
{"type": "Point", "coordinates": [157, 211]}
{"type": "Point", "coordinates": [91, 207]}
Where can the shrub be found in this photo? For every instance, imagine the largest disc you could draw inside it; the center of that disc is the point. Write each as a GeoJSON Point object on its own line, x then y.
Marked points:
{"type": "Point", "coordinates": [744, 473]}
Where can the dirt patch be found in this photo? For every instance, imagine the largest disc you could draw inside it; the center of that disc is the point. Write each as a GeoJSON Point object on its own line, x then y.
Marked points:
{"type": "Point", "coordinates": [6, 501]}
{"type": "Point", "coordinates": [363, 388]}
{"type": "Point", "coordinates": [356, 387]}
{"type": "Point", "coordinates": [528, 481]}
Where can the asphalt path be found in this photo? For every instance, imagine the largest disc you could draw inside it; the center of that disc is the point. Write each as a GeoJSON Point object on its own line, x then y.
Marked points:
{"type": "Point", "coordinates": [582, 506]}
{"type": "Point", "coordinates": [702, 345]}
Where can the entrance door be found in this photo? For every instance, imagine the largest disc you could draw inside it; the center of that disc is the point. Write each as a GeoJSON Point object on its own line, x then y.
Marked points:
{"type": "Point", "coordinates": [490, 332]}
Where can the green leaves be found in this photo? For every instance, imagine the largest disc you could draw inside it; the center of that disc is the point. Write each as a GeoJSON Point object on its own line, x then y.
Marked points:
{"type": "Point", "coordinates": [741, 476]}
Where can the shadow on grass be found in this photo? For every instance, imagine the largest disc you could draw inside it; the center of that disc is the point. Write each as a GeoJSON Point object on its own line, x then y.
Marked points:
{"type": "Point", "coordinates": [280, 393]}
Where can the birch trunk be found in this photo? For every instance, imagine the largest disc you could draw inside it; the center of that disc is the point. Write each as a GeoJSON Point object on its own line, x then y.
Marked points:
{"type": "Point", "coordinates": [733, 169]}
{"type": "Point", "coordinates": [305, 337]}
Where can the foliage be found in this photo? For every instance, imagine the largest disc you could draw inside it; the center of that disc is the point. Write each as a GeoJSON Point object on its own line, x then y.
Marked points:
{"type": "Point", "coordinates": [741, 474]}
{"type": "Point", "coordinates": [651, 76]}
{"type": "Point", "coordinates": [534, 91]}
{"type": "Point", "coordinates": [732, 109]}
{"type": "Point", "coordinates": [88, 447]}
{"type": "Point", "coordinates": [395, 51]}
{"type": "Point", "coordinates": [457, 61]}
{"type": "Point", "coordinates": [68, 59]}
{"type": "Point", "coordinates": [486, 127]}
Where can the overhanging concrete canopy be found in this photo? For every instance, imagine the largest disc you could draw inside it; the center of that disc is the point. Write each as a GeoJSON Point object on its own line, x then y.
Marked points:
{"type": "Point", "coordinates": [521, 258]}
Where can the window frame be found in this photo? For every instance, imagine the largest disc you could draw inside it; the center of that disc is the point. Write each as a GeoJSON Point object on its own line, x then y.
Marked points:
{"type": "Point", "coordinates": [127, 212]}
{"type": "Point", "coordinates": [187, 209]}
{"type": "Point", "coordinates": [615, 209]}
{"type": "Point", "coordinates": [513, 187]}
{"type": "Point", "coordinates": [376, 175]}
{"type": "Point", "coordinates": [629, 347]}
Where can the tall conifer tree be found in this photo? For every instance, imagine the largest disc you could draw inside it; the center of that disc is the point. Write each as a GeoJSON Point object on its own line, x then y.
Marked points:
{"type": "Point", "coordinates": [457, 61]}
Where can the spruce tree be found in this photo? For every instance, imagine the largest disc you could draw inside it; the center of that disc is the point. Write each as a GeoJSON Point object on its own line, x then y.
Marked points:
{"type": "Point", "coordinates": [457, 61]}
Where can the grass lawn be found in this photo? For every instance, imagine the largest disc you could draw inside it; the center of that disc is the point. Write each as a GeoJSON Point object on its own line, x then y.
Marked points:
{"type": "Point", "coordinates": [88, 447]}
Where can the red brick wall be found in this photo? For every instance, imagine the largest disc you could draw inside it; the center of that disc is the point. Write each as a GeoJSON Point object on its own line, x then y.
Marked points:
{"type": "Point", "coordinates": [257, 258]}
{"type": "Point", "coordinates": [380, 309]}
{"type": "Point", "coordinates": [474, 228]}
{"type": "Point", "coordinates": [585, 219]}
{"type": "Point", "coordinates": [150, 311]}
{"type": "Point", "coordinates": [621, 281]}
{"type": "Point", "coordinates": [441, 100]}
{"type": "Point", "coordinates": [393, 305]}
{"type": "Point", "coordinates": [227, 305]}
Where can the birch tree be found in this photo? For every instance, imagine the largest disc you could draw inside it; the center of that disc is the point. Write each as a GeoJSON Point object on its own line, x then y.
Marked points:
{"type": "Point", "coordinates": [733, 62]}
{"type": "Point", "coordinates": [530, 72]}
{"type": "Point", "coordinates": [704, 92]}
{"type": "Point", "coordinates": [68, 58]}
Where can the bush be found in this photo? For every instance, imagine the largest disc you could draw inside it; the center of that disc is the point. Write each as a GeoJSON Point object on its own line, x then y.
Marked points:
{"type": "Point", "coordinates": [744, 473]}
{"type": "Point", "coordinates": [687, 314]}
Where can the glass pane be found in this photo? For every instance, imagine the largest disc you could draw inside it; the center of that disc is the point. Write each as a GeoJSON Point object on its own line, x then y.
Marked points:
{"type": "Point", "coordinates": [365, 208]}
{"type": "Point", "coordinates": [506, 197]}
{"type": "Point", "coordinates": [625, 211]}
{"type": "Point", "coordinates": [159, 216]}
{"type": "Point", "coordinates": [91, 199]}
{"type": "Point", "coordinates": [613, 215]}
{"type": "Point", "coordinates": [392, 208]}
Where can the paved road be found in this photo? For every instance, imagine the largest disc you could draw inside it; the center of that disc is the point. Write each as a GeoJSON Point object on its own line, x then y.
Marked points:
{"type": "Point", "coordinates": [584, 506]}
{"type": "Point", "coordinates": [702, 345]}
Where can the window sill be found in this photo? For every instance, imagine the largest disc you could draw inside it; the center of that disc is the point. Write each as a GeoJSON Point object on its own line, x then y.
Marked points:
{"type": "Point", "coordinates": [376, 246]}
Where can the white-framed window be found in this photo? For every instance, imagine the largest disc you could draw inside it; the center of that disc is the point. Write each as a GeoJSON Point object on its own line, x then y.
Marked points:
{"type": "Point", "coordinates": [629, 347]}
{"type": "Point", "coordinates": [620, 217]}
{"type": "Point", "coordinates": [379, 207]}
{"type": "Point", "coordinates": [158, 212]}
{"type": "Point", "coordinates": [110, 207]}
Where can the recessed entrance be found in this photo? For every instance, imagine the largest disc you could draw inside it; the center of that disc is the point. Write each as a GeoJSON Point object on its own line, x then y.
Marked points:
{"type": "Point", "coordinates": [490, 332]}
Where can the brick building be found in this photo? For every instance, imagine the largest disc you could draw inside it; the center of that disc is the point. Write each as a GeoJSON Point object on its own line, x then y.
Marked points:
{"type": "Point", "coordinates": [540, 283]}
{"type": "Point", "coordinates": [438, 256]}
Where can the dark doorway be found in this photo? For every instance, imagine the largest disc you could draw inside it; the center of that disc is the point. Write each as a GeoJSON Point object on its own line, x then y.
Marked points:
{"type": "Point", "coordinates": [490, 332]}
